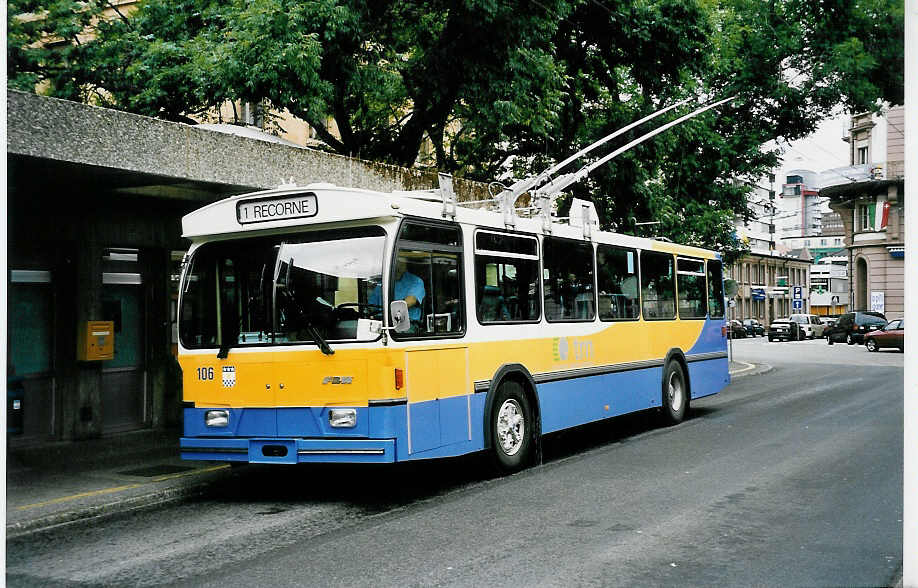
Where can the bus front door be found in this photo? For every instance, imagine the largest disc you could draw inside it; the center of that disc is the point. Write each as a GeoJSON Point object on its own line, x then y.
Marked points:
{"type": "Point", "coordinates": [438, 386]}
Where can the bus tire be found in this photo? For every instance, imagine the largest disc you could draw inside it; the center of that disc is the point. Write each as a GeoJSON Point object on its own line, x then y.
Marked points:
{"type": "Point", "coordinates": [512, 428]}
{"type": "Point", "coordinates": [675, 394]}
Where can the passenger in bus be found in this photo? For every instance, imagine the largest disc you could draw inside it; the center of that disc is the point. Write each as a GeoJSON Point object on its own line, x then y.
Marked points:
{"type": "Point", "coordinates": [408, 287]}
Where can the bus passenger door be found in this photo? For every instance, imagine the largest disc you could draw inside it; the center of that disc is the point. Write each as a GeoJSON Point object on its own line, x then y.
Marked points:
{"type": "Point", "coordinates": [438, 397]}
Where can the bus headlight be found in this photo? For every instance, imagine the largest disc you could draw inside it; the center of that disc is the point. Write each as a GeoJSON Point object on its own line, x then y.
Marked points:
{"type": "Point", "coordinates": [342, 417]}
{"type": "Point", "coordinates": [216, 418]}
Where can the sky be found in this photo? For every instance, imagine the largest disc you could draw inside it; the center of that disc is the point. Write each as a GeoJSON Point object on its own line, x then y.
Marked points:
{"type": "Point", "coordinates": [822, 150]}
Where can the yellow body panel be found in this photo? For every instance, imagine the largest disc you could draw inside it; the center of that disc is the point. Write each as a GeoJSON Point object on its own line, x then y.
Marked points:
{"type": "Point", "coordinates": [266, 378]}
{"type": "Point", "coordinates": [437, 373]}
{"type": "Point", "coordinates": [617, 343]}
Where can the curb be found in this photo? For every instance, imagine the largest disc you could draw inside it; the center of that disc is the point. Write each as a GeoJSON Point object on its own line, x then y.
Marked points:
{"type": "Point", "coordinates": [107, 510]}
{"type": "Point", "coordinates": [751, 369]}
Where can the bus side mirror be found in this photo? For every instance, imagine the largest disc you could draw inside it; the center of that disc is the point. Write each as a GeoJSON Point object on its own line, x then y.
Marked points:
{"type": "Point", "coordinates": [398, 310]}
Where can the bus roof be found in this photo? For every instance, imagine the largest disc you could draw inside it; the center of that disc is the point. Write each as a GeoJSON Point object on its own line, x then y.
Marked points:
{"type": "Point", "coordinates": [317, 204]}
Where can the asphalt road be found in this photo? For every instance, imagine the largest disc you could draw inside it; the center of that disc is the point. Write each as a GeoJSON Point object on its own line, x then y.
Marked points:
{"type": "Point", "coordinates": [790, 478]}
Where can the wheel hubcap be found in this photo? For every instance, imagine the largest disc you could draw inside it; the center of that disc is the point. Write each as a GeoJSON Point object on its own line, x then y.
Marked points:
{"type": "Point", "coordinates": [510, 427]}
{"type": "Point", "coordinates": [675, 392]}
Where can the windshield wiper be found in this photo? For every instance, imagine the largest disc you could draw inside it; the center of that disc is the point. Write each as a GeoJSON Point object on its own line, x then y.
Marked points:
{"type": "Point", "coordinates": [303, 318]}
{"type": "Point", "coordinates": [319, 339]}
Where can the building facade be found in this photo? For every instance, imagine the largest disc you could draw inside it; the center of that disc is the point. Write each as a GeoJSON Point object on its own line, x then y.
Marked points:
{"type": "Point", "coordinates": [799, 207]}
{"type": "Point", "coordinates": [770, 287]}
{"type": "Point", "coordinates": [757, 230]}
{"type": "Point", "coordinates": [872, 209]}
{"type": "Point", "coordinates": [829, 289]}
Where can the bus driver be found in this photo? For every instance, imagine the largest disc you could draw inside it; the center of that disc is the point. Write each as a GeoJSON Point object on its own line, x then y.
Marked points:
{"type": "Point", "coordinates": [408, 287]}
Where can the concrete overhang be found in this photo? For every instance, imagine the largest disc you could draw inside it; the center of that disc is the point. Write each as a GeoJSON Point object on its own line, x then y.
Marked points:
{"type": "Point", "coordinates": [55, 145]}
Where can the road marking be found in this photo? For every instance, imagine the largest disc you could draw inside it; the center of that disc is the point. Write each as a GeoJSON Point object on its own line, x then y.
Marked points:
{"type": "Point", "coordinates": [77, 496]}
{"type": "Point", "coordinates": [191, 473]}
{"type": "Point", "coordinates": [119, 488]}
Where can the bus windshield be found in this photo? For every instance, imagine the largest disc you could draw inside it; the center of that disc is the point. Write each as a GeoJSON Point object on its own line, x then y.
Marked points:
{"type": "Point", "coordinates": [303, 288]}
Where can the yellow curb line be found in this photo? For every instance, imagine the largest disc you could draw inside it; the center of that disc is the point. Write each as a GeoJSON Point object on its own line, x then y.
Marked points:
{"type": "Point", "coordinates": [119, 488]}
{"type": "Point", "coordinates": [191, 473]}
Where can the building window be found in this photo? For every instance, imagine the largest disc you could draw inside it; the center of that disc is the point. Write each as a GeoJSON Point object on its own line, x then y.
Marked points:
{"type": "Point", "coordinates": [862, 155]}
{"type": "Point", "coordinates": [863, 220]}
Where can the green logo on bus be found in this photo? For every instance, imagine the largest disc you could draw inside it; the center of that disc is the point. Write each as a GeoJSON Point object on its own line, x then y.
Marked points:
{"type": "Point", "coordinates": [566, 348]}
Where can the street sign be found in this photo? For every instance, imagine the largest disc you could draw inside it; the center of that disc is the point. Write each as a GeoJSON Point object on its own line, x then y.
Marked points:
{"type": "Point", "coordinates": [758, 293]}
{"type": "Point", "coordinates": [798, 292]}
{"type": "Point", "coordinates": [878, 301]}
{"type": "Point", "coordinates": [797, 304]}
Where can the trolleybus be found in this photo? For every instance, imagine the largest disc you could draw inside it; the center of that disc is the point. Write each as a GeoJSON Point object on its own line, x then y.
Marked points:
{"type": "Point", "coordinates": [333, 324]}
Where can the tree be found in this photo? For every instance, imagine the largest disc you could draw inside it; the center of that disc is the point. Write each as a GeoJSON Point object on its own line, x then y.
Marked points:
{"type": "Point", "coordinates": [499, 87]}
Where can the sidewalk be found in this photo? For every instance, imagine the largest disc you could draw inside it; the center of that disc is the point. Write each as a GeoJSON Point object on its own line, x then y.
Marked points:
{"type": "Point", "coordinates": [59, 483]}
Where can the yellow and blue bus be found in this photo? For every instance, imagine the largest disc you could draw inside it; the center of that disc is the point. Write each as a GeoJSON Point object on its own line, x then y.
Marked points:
{"type": "Point", "coordinates": [332, 324]}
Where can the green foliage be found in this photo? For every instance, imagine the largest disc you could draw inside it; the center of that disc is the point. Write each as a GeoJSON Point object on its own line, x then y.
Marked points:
{"type": "Point", "coordinates": [500, 87]}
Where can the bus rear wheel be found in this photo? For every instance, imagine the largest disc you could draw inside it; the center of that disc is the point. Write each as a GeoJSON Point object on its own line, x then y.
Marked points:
{"type": "Point", "coordinates": [675, 394]}
{"type": "Point", "coordinates": [511, 428]}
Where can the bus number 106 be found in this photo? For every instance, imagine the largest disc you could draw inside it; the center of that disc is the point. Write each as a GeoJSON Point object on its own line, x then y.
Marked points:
{"type": "Point", "coordinates": [205, 373]}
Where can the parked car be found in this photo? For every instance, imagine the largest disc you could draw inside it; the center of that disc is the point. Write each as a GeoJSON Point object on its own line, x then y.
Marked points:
{"type": "Point", "coordinates": [852, 326]}
{"type": "Point", "coordinates": [784, 329]}
{"type": "Point", "coordinates": [810, 324]}
{"type": "Point", "coordinates": [892, 335]}
{"type": "Point", "coordinates": [736, 330]}
{"type": "Point", "coordinates": [754, 327]}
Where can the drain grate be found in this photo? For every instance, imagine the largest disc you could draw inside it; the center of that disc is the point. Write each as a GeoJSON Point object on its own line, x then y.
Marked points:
{"type": "Point", "coordinates": [157, 470]}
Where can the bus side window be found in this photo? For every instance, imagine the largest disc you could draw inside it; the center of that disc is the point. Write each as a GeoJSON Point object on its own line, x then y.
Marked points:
{"type": "Point", "coordinates": [617, 274]}
{"type": "Point", "coordinates": [568, 280]}
{"type": "Point", "coordinates": [506, 277]}
{"type": "Point", "coordinates": [715, 290]}
{"type": "Point", "coordinates": [658, 285]}
{"type": "Point", "coordinates": [690, 284]}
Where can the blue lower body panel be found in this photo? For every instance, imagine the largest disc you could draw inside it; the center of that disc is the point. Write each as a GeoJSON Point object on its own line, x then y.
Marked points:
{"type": "Point", "coordinates": [569, 403]}
{"type": "Point", "coordinates": [708, 377]}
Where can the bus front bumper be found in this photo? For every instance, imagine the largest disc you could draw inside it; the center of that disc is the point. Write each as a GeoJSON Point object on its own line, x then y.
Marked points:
{"type": "Point", "coordinates": [289, 450]}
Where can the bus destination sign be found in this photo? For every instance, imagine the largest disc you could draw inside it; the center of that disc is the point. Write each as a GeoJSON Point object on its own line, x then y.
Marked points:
{"type": "Point", "coordinates": [259, 210]}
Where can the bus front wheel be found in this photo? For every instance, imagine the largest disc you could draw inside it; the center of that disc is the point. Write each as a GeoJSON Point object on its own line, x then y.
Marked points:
{"type": "Point", "coordinates": [675, 394]}
{"type": "Point", "coordinates": [511, 428]}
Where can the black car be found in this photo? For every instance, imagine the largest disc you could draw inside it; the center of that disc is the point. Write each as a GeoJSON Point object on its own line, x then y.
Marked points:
{"type": "Point", "coordinates": [736, 330]}
{"type": "Point", "coordinates": [754, 327]}
{"type": "Point", "coordinates": [852, 326]}
{"type": "Point", "coordinates": [784, 329]}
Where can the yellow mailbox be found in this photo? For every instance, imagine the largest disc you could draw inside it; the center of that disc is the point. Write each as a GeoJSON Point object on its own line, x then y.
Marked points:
{"type": "Point", "coordinates": [97, 341]}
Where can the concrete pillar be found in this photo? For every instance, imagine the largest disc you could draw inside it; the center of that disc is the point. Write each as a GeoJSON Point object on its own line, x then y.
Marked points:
{"type": "Point", "coordinates": [82, 394]}
{"type": "Point", "coordinates": [164, 375]}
